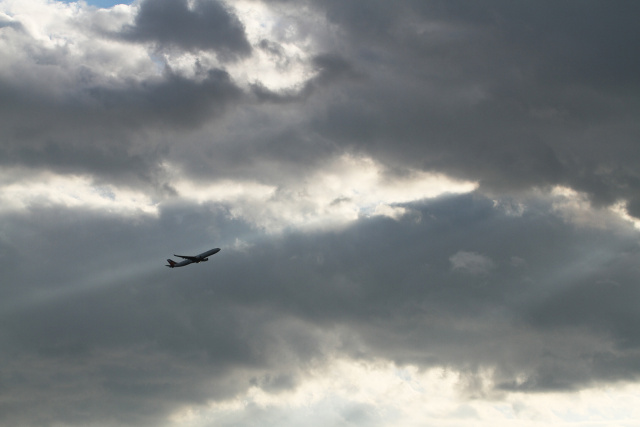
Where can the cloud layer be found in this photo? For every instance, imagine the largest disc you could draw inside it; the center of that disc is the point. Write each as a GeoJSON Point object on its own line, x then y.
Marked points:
{"type": "Point", "coordinates": [435, 199]}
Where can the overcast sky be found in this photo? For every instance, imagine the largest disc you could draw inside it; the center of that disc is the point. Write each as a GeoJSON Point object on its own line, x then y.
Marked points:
{"type": "Point", "coordinates": [428, 211]}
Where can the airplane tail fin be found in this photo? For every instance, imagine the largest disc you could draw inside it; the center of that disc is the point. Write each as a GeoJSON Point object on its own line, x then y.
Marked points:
{"type": "Point", "coordinates": [171, 262]}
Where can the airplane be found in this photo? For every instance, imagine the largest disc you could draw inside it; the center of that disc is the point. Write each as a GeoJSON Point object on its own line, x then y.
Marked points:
{"type": "Point", "coordinates": [191, 259]}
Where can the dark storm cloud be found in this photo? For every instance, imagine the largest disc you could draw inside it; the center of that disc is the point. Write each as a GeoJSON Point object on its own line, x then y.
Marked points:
{"type": "Point", "coordinates": [209, 25]}
{"type": "Point", "coordinates": [584, 40]}
{"type": "Point", "coordinates": [170, 100]}
{"type": "Point", "coordinates": [575, 40]}
{"type": "Point", "coordinates": [175, 100]}
{"type": "Point", "coordinates": [105, 131]}
{"type": "Point", "coordinates": [561, 317]}
{"type": "Point", "coordinates": [83, 320]}
{"type": "Point", "coordinates": [513, 95]}
{"type": "Point", "coordinates": [100, 320]}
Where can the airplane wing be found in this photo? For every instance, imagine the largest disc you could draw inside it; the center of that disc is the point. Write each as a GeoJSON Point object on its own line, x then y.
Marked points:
{"type": "Point", "coordinates": [190, 258]}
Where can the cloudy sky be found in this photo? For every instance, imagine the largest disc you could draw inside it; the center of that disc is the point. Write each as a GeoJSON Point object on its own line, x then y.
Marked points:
{"type": "Point", "coordinates": [429, 213]}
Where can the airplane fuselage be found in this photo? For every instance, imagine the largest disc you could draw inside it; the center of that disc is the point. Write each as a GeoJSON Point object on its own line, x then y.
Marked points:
{"type": "Point", "coordinates": [192, 259]}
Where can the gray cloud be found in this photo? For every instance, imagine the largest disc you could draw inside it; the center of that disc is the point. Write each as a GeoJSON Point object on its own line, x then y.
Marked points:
{"type": "Point", "coordinates": [330, 69]}
{"type": "Point", "coordinates": [11, 24]}
{"type": "Point", "coordinates": [513, 95]}
{"type": "Point", "coordinates": [519, 97]}
{"type": "Point", "coordinates": [208, 25]}
{"type": "Point", "coordinates": [503, 95]}
{"type": "Point", "coordinates": [97, 317]}
{"type": "Point", "coordinates": [106, 131]}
